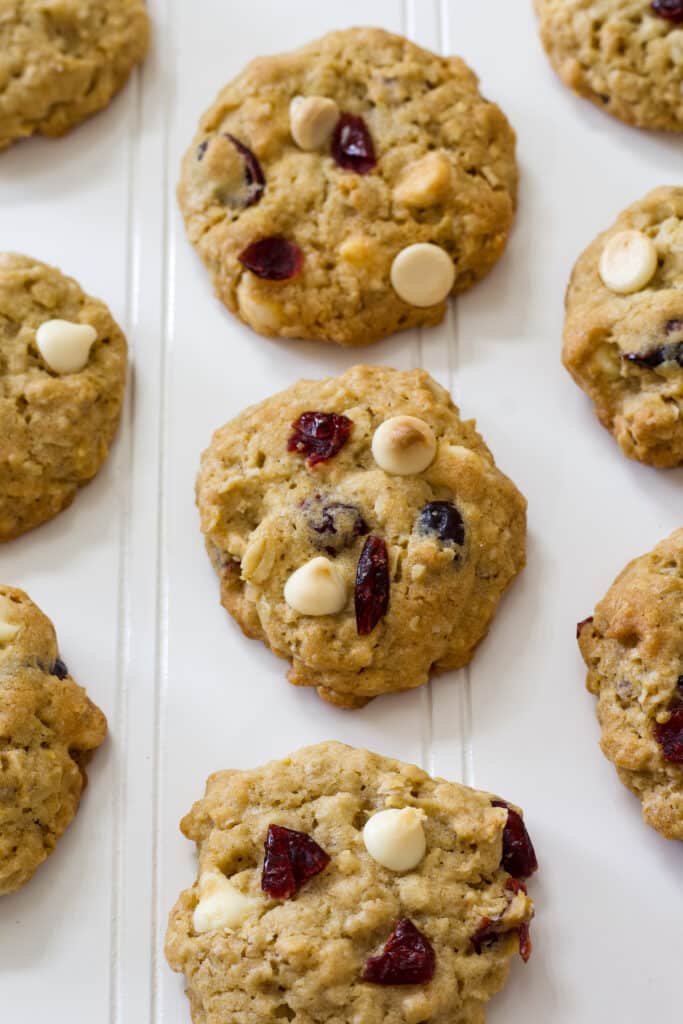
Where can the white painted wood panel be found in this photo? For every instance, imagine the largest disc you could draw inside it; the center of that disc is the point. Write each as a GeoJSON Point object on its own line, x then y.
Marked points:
{"type": "Point", "coordinates": [125, 577]}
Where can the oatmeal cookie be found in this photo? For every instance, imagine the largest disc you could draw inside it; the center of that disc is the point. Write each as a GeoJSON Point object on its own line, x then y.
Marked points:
{"type": "Point", "coordinates": [633, 647]}
{"type": "Point", "coordinates": [344, 190]}
{"type": "Point", "coordinates": [62, 60]}
{"type": "Point", "coordinates": [48, 728]}
{"type": "Point", "coordinates": [62, 376]}
{"type": "Point", "coordinates": [626, 56]}
{"type": "Point", "coordinates": [623, 335]}
{"type": "Point", "coordinates": [361, 529]}
{"type": "Point", "coordinates": [337, 885]}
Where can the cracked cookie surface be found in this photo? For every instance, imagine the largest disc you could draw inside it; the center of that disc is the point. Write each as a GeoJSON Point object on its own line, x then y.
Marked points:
{"type": "Point", "coordinates": [48, 727]}
{"type": "Point", "coordinates": [452, 534]}
{"type": "Point", "coordinates": [626, 350]}
{"type": "Point", "coordinates": [633, 648]}
{"type": "Point", "coordinates": [445, 173]}
{"type": "Point", "coordinates": [621, 55]}
{"type": "Point", "coordinates": [55, 429]}
{"type": "Point", "coordinates": [300, 959]}
{"type": "Point", "coordinates": [62, 60]}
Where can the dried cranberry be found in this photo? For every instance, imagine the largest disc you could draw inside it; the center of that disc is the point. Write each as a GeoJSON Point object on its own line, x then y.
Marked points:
{"type": "Point", "coordinates": [59, 669]}
{"type": "Point", "coordinates": [580, 625]}
{"type": "Point", "coordinates": [490, 930]}
{"type": "Point", "coordinates": [334, 524]}
{"type": "Point", "coordinates": [319, 435]}
{"type": "Point", "coordinates": [253, 173]}
{"type": "Point", "coordinates": [519, 856]}
{"type": "Point", "coordinates": [408, 958]}
{"type": "Point", "coordinates": [291, 859]}
{"type": "Point", "coordinates": [525, 946]}
{"type": "Point", "coordinates": [443, 519]}
{"type": "Point", "coordinates": [670, 9]}
{"type": "Point", "coordinates": [352, 145]}
{"type": "Point", "coordinates": [372, 585]}
{"type": "Point", "coordinates": [651, 360]}
{"type": "Point", "coordinates": [669, 734]}
{"type": "Point", "coordinates": [273, 258]}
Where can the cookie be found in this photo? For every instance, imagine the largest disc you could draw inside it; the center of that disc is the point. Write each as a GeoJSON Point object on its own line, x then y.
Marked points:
{"type": "Point", "coordinates": [623, 334]}
{"type": "Point", "coordinates": [62, 60]}
{"type": "Point", "coordinates": [626, 56]}
{"type": "Point", "coordinates": [48, 728]}
{"type": "Point", "coordinates": [62, 376]}
{"type": "Point", "coordinates": [360, 529]}
{"type": "Point", "coordinates": [337, 885]}
{"type": "Point", "coordinates": [633, 647]}
{"type": "Point", "coordinates": [344, 190]}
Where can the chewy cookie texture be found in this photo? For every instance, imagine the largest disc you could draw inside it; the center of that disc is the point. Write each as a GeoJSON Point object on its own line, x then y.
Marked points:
{"type": "Point", "coordinates": [623, 334]}
{"type": "Point", "coordinates": [361, 529]}
{"type": "Point", "coordinates": [62, 376]}
{"type": "Point", "coordinates": [62, 60]}
{"type": "Point", "coordinates": [342, 191]}
{"type": "Point", "coordinates": [48, 728]}
{"type": "Point", "coordinates": [626, 56]}
{"type": "Point", "coordinates": [338, 886]}
{"type": "Point", "coordinates": [633, 647]}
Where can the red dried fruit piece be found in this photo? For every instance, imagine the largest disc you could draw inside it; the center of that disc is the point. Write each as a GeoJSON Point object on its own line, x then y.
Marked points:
{"type": "Point", "coordinates": [519, 856]}
{"type": "Point", "coordinates": [669, 734]}
{"type": "Point", "coordinates": [253, 172]}
{"type": "Point", "coordinates": [319, 435]}
{"type": "Point", "coordinates": [291, 859]}
{"type": "Point", "coordinates": [670, 9]}
{"type": "Point", "coordinates": [273, 258]}
{"type": "Point", "coordinates": [489, 930]}
{"type": "Point", "coordinates": [408, 958]}
{"type": "Point", "coordinates": [525, 944]}
{"type": "Point", "coordinates": [580, 625]}
{"type": "Point", "coordinates": [372, 585]}
{"type": "Point", "coordinates": [352, 145]}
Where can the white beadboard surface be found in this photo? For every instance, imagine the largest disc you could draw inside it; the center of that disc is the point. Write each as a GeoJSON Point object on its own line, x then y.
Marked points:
{"type": "Point", "coordinates": [124, 575]}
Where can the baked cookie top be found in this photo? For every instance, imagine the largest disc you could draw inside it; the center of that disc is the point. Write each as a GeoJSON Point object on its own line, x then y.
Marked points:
{"type": "Point", "coordinates": [633, 647]}
{"type": "Point", "coordinates": [314, 173]}
{"type": "Point", "coordinates": [623, 335]}
{"type": "Point", "coordinates": [383, 895]}
{"type": "Point", "coordinates": [61, 60]}
{"type": "Point", "coordinates": [62, 375]}
{"type": "Point", "coordinates": [47, 729]}
{"type": "Point", "coordinates": [626, 56]}
{"type": "Point", "coordinates": [361, 529]}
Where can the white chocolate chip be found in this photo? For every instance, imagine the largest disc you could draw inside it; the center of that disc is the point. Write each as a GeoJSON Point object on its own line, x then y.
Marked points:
{"type": "Point", "coordinates": [316, 588]}
{"type": "Point", "coordinates": [65, 346]}
{"type": "Point", "coordinates": [628, 262]}
{"type": "Point", "coordinates": [312, 120]}
{"type": "Point", "coordinates": [427, 181]}
{"type": "Point", "coordinates": [395, 838]}
{"type": "Point", "coordinates": [221, 905]}
{"type": "Point", "coordinates": [8, 630]}
{"type": "Point", "coordinates": [422, 274]}
{"type": "Point", "coordinates": [404, 445]}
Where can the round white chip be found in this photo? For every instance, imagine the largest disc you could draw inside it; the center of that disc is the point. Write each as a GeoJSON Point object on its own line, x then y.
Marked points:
{"type": "Point", "coordinates": [316, 588]}
{"type": "Point", "coordinates": [404, 445]}
{"type": "Point", "coordinates": [422, 274]}
{"type": "Point", "coordinates": [65, 346]}
{"type": "Point", "coordinates": [628, 262]}
{"type": "Point", "coordinates": [395, 838]}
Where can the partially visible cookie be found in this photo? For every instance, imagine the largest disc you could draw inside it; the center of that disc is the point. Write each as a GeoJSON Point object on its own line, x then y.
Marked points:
{"type": "Point", "coordinates": [62, 60]}
{"type": "Point", "coordinates": [62, 375]}
{"type": "Point", "coordinates": [344, 190]}
{"type": "Point", "coordinates": [633, 647]}
{"type": "Point", "coordinates": [623, 334]}
{"type": "Point", "coordinates": [48, 728]}
{"type": "Point", "coordinates": [337, 885]}
{"type": "Point", "coordinates": [361, 529]}
{"type": "Point", "coordinates": [626, 56]}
